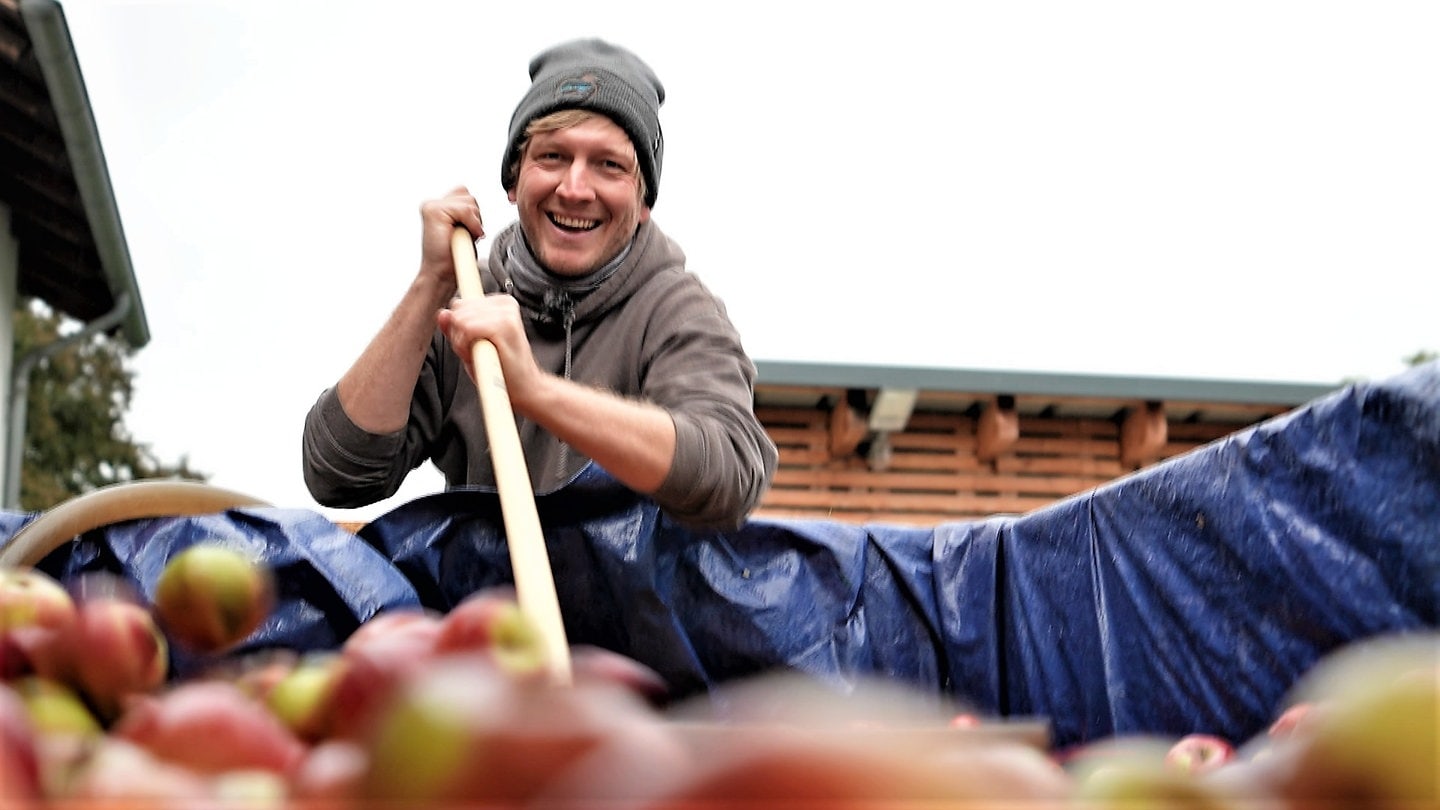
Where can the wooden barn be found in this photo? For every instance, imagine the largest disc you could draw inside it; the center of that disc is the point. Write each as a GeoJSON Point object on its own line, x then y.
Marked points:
{"type": "Point", "coordinates": [908, 445]}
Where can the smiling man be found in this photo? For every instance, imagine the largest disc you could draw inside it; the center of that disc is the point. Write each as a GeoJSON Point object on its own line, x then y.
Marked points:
{"type": "Point", "coordinates": [613, 352]}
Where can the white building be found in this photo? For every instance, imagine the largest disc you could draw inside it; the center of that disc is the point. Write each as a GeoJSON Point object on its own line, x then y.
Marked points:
{"type": "Point", "coordinates": [61, 240]}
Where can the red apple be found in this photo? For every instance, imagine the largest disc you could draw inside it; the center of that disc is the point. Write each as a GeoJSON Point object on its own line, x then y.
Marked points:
{"type": "Point", "coordinates": [417, 624]}
{"type": "Point", "coordinates": [35, 611]}
{"type": "Point", "coordinates": [371, 668]}
{"type": "Point", "coordinates": [115, 650]}
{"type": "Point", "coordinates": [1295, 719]}
{"type": "Point", "coordinates": [20, 784]}
{"type": "Point", "coordinates": [31, 598]}
{"type": "Point", "coordinates": [965, 720]}
{"type": "Point", "coordinates": [597, 664]}
{"type": "Point", "coordinates": [34, 650]}
{"type": "Point", "coordinates": [1199, 753]}
{"type": "Point", "coordinates": [461, 730]}
{"type": "Point", "coordinates": [210, 726]}
{"type": "Point", "coordinates": [374, 660]}
{"type": "Point", "coordinates": [331, 775]}
{"type": "Point", "coordinates": [784, 766]}
{"type": "Point", "coordinates": [256, 673]}
{"type": "Point", "coordinates": [493, 624]}
{"type": "Point", "coordinates": [210, 597]}
{"type": "Point", "coordinates": [117, 774]}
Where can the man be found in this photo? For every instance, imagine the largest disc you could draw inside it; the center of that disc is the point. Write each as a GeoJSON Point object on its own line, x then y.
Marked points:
{"type": "Point", "coordinates": [611, 350]}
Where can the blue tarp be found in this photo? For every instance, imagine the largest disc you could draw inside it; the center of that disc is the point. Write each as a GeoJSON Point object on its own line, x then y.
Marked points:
{"type": "Point", "coordinates": [1188, 596]}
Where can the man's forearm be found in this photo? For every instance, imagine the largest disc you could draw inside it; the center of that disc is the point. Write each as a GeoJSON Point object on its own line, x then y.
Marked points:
{"type": "Point", "coordinates": [632, 439]}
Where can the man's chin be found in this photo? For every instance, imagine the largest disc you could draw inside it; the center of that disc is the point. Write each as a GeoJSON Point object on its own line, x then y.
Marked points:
{"type": "Point", "coordinates": [570, 263]}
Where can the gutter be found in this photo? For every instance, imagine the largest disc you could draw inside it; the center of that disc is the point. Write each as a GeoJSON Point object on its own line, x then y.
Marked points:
{"type": "Point", "coordinates": [776, 372]}
{"type": "Point", "coordinates": [55, 51]}
{"type": "Point", "coordinates": [20, 391]}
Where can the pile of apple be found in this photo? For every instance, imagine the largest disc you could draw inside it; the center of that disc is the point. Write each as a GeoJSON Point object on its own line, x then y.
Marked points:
{"type": "Point", "coordinates": [426, 710]}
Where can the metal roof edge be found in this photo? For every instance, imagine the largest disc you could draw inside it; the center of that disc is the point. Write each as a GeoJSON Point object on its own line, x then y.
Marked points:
{"type": "Point", "coordinates": [55, 51]}
{"type": "Point", "coordinates": [781, 372]}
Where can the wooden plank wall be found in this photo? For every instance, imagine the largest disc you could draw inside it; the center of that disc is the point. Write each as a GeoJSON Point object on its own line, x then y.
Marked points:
{"type": "Point", "coordinates": [934, 470]}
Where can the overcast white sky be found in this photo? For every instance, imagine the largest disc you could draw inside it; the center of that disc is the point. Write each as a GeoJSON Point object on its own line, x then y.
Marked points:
{"type": "Point", "coordinates": [1232, 190]}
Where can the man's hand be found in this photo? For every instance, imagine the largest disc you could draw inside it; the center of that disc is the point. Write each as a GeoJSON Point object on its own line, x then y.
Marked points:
{"type": "Point", "coordinates": [438, 220]}
{"type": "Point", "coordinates": [495, 318]}
{"type": "Point", "coordinates": [632, 439]}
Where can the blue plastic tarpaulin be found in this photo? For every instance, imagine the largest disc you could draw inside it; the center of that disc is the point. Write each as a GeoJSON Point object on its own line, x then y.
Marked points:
{"type": "Point", "coordinates": [1188, 596]}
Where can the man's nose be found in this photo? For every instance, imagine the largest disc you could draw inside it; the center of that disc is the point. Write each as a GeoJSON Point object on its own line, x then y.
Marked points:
{"type": "Point", "coordinates": [576, 181]}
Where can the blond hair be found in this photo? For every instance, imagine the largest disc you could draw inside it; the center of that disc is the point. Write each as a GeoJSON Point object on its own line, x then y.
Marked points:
{"type": "Point", "coordinates": [564, 119]}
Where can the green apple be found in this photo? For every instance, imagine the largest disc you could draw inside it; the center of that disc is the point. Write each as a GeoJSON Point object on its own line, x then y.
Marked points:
{"type": "Point", "coordinates": [210, 597]}
{"type": "Point", "coordinates": [304, 697]}
{"type": "Point", "coordinates": [1376, 738]}
{"type": "Point", "coordinates": [56, 709]}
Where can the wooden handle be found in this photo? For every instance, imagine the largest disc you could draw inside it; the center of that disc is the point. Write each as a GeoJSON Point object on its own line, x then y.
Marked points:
{"type": "Point", "coordinates": [534, 584]}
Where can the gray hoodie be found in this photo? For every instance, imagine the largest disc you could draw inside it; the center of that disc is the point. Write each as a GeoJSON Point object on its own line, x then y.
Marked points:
{"type": "Point", "coordinates": [649, 329]}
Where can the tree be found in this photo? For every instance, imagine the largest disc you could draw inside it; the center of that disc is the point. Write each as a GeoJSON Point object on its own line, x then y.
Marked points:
{"type": "Point", "coordinates": [1422, 357]}
{"type": "Point", "coordinates": [75, 437]}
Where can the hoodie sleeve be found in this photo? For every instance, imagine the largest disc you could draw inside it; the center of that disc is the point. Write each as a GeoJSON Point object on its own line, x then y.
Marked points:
{"type": "Point", "coordinates": [724, 459]}
{"type": "Point", "coordinates": [346, 466]}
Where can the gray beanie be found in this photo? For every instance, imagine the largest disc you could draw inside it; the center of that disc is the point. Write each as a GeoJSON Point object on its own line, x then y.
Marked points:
{"type": "Point", "coordinates": [594, 75]}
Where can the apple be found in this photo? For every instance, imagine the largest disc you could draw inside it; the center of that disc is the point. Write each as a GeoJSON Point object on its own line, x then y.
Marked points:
{"type": "Point", "coordinates": [116, 773]}
{"type": "Point", "coordinates": [415, 623]}
{"type": "Point", "coordinates": [596, 664]}
{"type": "Point", "coordinates": [463, 730]}
{"type": "Point", "coordinates": [1376, 741]}
{"type": "Point", "coordinates": [210, 726]}
{"type": "Point", "coordinates": [331, 775]}
{"type": "Point", "coordinates": [31, 598]}
{"type": "Point", "coordinates": [381, 652]}
{"type": "Point", "coordinates": [1199, 753]}
{"type": "Point", "coordinates": [20, 782]}
{"type": "Point", "coordinates": [965, 720]}
{"type": "Point", "coordinates": [65, 727]}
{"type": "Point", "coordinates": [115, 650]}
{"type": "Point", "coordinates": [493, 624]}
{"type": "Point", "coordinates": [19, 788]}
{"type": "Point", "coordinates": [34, 650]}
{"type": "Point", "coordinates": [1294, 719]}
{"type": "Point", "coordinates": [257, 672]}
{"type": "Point", "coordinates": [55, 709]}
{"type": "Point", "coordinates": [304, 698]}
{"type": "Point", "coordinates": [35, 610]}
{"type": "Point", "coordinates": [785, 766]}
{"type": "Point", "coordinates": [1147, 784]}
{"type": "Point", "coordinates": [210, 597]}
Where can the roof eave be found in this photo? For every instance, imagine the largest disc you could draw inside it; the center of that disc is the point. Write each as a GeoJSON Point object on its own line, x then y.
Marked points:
{"type": "Point", "coordinates": [55, 52]}
{"type": "Point", "coordinates": [771, 372]}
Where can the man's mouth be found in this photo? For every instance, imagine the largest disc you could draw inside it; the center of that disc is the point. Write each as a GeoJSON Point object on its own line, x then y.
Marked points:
{"type": "Point", "coordinates": [574, 223]}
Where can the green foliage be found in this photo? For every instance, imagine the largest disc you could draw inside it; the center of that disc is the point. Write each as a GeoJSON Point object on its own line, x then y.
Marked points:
{"type": "Point", "coordinates": [1422, 357]}
{"type": "Point", "coordinates": [75, 437]}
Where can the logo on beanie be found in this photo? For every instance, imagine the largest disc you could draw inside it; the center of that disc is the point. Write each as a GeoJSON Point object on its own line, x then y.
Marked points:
{"type": "Point", "coordinates": [576, 89]}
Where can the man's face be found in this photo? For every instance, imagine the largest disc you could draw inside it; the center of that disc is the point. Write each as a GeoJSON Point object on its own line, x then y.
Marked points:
{"type": "Point", "coordinates": [578, 195]}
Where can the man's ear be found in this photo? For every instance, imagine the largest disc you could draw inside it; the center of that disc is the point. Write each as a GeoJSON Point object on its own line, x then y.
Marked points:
{"type": "Point", "coordinates": [511, 195]}
{"type": "Point", "coordinates": [644, 213]}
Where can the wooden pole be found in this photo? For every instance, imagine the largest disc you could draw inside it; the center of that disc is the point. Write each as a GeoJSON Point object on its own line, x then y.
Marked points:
{"type": "Point", "coordinates": [534, 583]}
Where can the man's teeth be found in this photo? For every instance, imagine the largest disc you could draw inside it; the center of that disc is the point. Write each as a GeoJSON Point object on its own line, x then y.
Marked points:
{"type": "Point", "coordinates": [577, 224]}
